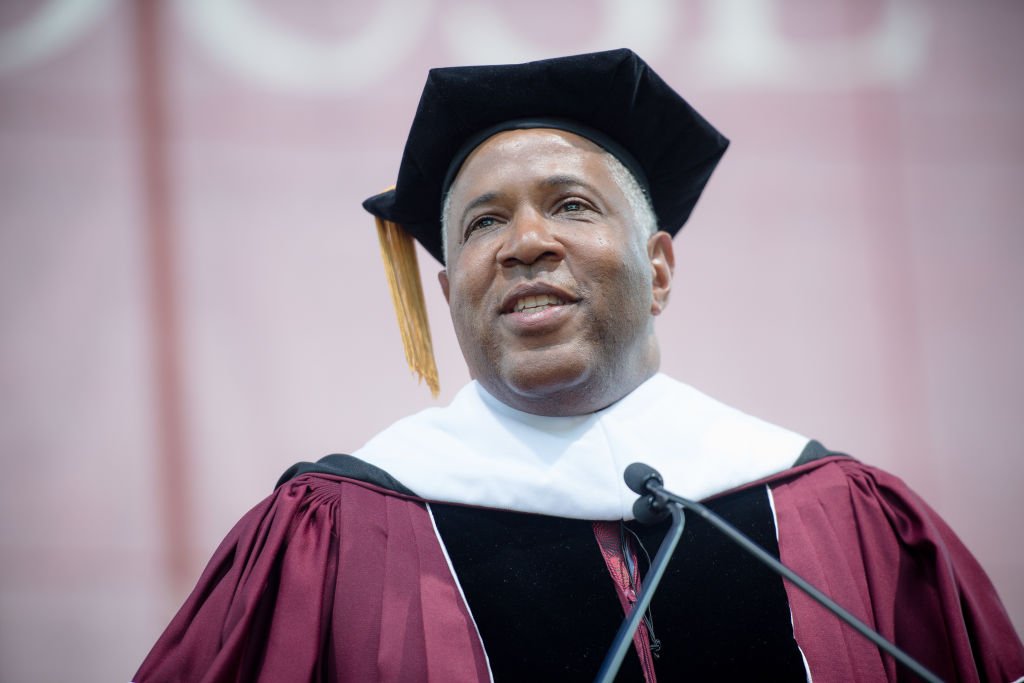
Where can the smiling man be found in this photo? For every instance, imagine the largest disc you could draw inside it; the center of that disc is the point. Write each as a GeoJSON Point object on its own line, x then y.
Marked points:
{"type": "Point", "coordinates": [493, 539]}
{"type": "Point", "coordinates": [553, 276]}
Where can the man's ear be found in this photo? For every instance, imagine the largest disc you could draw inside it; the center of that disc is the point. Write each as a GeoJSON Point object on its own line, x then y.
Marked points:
{"type": "Point", "coordinates": [442, 277]}
{"type": "Point", "coordinates": [663, 263]}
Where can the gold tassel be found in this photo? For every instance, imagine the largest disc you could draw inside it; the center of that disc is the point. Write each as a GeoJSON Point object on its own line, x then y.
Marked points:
{"type": "Point", "coordinates": [403, 272]}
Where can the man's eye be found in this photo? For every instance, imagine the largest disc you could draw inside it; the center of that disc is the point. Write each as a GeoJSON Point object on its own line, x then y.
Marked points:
{"type": "Point", "coordinates": [573, 205]}
{"type": "Point", "coordinates": [482, 222]}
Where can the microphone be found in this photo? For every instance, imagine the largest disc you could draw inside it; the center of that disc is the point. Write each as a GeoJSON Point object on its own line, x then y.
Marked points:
{"type": "Point", "coordinates": [648, 508]}
{"type": "Point", "coordinates": [656, 501]}
{"type": "Point", "coordinates": [638, 475]}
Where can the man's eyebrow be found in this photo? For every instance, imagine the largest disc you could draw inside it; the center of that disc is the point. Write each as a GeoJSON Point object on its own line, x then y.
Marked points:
{"type": "Point", "coordinates": [561, 180]}
{"type": "Point", "coordinates": [485, 198]}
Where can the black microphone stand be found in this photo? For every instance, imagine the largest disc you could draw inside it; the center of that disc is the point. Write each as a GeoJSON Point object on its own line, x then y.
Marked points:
{"type": "Point", "coordinates": [613, 660]}
{"type": "Point", "coordinates": [656, 498]}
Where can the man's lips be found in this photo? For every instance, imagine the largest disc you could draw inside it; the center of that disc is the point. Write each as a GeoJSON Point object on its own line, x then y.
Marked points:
{"type": "Point", "coordinates": [532, 304]}
{"type": "Point", "coordinates": [534, 298]}
{"type": "Point", "coordinates": [537, 309]}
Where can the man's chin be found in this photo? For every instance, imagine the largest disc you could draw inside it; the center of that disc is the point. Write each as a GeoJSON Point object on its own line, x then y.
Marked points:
{"type": "Point", "coordinates": [542, 384]}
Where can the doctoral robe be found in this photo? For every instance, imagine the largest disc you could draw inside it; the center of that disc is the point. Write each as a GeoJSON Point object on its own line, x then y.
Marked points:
{"type": "Point", "coordinates": [345, 573]}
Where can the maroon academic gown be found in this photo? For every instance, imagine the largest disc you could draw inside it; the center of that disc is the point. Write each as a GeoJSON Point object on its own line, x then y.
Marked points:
{"type": "Point", "coordinates": [336, 579]}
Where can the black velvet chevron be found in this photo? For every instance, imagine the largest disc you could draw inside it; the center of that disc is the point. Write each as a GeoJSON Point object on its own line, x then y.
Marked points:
{"type": "Point", "coordinates": [547, 610]}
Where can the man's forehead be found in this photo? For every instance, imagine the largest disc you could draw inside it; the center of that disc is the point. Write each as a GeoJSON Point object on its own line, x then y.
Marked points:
{"type": "Point", "coordinates": [559, 157]}
{"type": "Point", "coordinates": [514, 140]}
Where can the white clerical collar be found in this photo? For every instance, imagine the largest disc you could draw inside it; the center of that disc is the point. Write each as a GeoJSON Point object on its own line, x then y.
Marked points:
{"type": "Point", "coordinates": [480, 451]}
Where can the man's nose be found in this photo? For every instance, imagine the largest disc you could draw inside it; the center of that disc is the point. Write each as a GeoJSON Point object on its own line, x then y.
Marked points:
{"type": "Point", "coordinates": [531, 238]}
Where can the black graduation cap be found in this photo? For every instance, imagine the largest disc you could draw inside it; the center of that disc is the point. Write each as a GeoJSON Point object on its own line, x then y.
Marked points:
{"type": "Point", "coordinates": [614, 93]}
{"type": "Point", "coordinates": [612, 98]}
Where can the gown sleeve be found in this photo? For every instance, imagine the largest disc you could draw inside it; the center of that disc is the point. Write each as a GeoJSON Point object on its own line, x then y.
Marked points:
{"type": "Point", "coordinates": [327, 579]}
{"type": "Point", "coordinates": [861, 535]}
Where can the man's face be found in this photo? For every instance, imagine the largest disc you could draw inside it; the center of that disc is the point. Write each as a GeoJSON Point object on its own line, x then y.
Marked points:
{"type": "Point", "coordinates": [551, 286]}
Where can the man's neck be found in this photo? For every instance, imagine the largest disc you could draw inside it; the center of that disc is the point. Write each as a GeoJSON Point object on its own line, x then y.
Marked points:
{"type": "Point", "coordinates": [587, 396]}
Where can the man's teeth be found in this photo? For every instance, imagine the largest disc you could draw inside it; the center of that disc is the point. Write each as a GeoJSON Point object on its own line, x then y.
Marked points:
{"type": "Point", "coordinates": [537, 302]}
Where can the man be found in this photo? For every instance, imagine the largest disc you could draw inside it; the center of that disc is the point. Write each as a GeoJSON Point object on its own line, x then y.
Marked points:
{"type": "Point", "coordinates": [494, 538]}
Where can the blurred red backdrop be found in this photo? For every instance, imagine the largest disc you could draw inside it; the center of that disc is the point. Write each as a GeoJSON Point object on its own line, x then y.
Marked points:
{"type": "Point", "coordinates": [192, 298]}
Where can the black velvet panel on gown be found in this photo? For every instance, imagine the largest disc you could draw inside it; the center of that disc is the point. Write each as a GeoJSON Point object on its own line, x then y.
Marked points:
{"type": "Point", "coordinates": [547, 608]}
